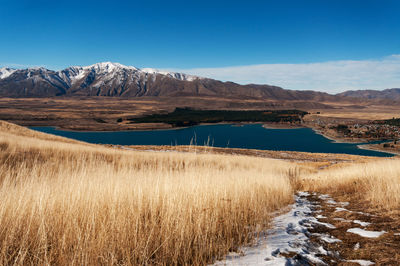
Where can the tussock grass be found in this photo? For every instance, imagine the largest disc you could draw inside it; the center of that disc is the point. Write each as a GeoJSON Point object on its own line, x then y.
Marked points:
{"type": "Point", "coordinates": [377, 182]}
{"type": "Point", "coordinates": [66, 202]}
{"type": "Point", "coordinates": [69, 202]}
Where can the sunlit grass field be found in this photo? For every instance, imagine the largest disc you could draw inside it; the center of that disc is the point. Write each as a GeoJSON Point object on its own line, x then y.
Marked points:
{"type": "Point", "coordinates": [65, 202]}
{"type": "Point", "coordinates": [377, 182]}
{"type": "Point", "coordinates": [68, 202]}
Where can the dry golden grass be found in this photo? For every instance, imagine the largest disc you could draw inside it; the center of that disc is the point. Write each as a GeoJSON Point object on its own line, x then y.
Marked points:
{"type": "Point", "coordinates": [9, 130]}
{"type": "Point", "coordinates": [68, 202]}
{"type": "Point", "coordinates": [377, 182]}
{"type": "Point", "coordinates": [65, 202]}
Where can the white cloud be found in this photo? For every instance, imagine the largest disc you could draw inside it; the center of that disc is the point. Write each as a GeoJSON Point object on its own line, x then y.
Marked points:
{"type": "Point", "coordinates": [332, 76]}
{"type": "Point", "coordinates": [18, 66]}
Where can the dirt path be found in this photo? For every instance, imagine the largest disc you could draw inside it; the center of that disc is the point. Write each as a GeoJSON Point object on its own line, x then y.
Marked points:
{"type": "Point", "coordinates": [317, 230]}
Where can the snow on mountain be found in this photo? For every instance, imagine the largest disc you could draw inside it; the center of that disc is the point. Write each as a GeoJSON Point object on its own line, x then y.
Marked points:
{"type": "Point", "coordinates": [174, 75]}
{"type": "Point", "coordinates": [6, 72]}
{"type": "Point", "coordinates": [114, 71]}
{"type": "Point", "coordinates": [108, 70]}
{"type": "Point", "coordinates": [109, 67]}
{"type": "Point", "coordinates": [70, 74]}
{"type": "Point", "coordinates": [116, 80]}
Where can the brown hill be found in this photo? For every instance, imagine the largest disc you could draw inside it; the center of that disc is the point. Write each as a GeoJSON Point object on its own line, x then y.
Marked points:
{"type": "Point", "coordinates": [388, 94]}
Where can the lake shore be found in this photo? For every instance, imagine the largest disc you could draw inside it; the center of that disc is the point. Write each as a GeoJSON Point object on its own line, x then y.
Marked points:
{"type": "Point", "coordinates": [163, 126]}
{"type": "Point", "coordinates": [282, 126]}
{"type": "Point", "coordinates": [158, 126]}
{"type": "Point", "coordinates": [122, 127]}
{"type": "Point", "coordinates": [324, 158]}
{"type": "Point", "coordinates": [338, 139]}
{"type": "Point", "coordinates": [377, 147]}
{"type": "Point", "coordinates": [252, 136]}
{"type": "Point", "coordinates": [363, 143]}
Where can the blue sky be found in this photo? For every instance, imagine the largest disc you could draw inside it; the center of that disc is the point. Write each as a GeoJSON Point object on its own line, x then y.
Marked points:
{"type": "Point", "coordinates": [198, 35]}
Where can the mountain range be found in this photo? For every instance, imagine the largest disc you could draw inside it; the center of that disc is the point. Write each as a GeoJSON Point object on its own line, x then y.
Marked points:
{"type": "Point", "coordinates": [388, 94]}
{"type": "Point", "coordinates": [116, 80]}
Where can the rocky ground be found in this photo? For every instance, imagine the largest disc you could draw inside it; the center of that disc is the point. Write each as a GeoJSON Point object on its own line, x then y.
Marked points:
{"type": "Point", "coordinates": [317, 230]}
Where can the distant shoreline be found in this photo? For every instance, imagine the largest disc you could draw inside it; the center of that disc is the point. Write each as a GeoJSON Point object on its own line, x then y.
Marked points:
{"type": "Point", "coordinates": [281, 126]}
{"type": "Point", "coordinates": [339, 140]}
{"type": "Point", "coordinates": [373, 148]}
{"type": "Point", "coordinates": [364, 144]}
{"type": "Point", "coordinates": [168, 127]}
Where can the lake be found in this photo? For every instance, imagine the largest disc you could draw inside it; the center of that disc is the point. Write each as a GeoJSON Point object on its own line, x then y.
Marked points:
{"type": "Point", "coordinates": [248, 136]}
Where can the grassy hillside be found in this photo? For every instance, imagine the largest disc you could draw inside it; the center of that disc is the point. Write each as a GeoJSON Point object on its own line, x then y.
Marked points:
{"type": "Point", "coordinates": [377, 182]}
{"type": "Point", "coordinates": [65, 202]}
{"type": "Point", "coordinates": [68, 202]}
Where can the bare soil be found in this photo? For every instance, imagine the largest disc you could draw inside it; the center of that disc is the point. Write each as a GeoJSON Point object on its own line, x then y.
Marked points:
{"type": "Point", "coordinates": [111, 114]}
{"type": "Point", "coordinates": [383, 250]}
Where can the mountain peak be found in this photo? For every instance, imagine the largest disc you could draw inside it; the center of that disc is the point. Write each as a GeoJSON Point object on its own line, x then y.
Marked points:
{"type": "Point", "coordinates": [110, 66]}
{"type": "Point", "coordinates": [6, 72]}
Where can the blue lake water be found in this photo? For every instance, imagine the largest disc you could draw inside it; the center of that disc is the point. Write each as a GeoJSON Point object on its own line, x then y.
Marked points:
{"type": "Point", "coordinates": [249, 136]}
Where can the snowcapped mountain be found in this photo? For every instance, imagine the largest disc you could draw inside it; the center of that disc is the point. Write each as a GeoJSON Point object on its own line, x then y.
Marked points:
{"type": "Point", "coordinates": [101, 79]}
{"type": "Point", "coordinates": [5, 72]}
{"type": "Point", "coordinates": [116, 80]}
{"type": "Point", "coordinates": [108, 71]}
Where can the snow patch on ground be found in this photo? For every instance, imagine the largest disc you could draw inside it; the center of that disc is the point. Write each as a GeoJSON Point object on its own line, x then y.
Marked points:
{"type": "Point", "coordinates": [324, 197]}
{"type": "Point", "coordinates": [288, 235]}
{"type": "Point", "coordinates": [340, 209]}
{"type": "Point", "coordinates": [289, 243]}
{"type": "Point", "coordinates": [366, 214]}
{"type": "Point", "coordinates": [361, 223]}
{"type": "Point", "coordinates": [342, 220]}
{"type": "Point", "coordinates": [327, 238]}
{"type": "Point", "coordinates": [328, 225]}
{"type": "Point", "coordinates": [331, 202]}
{"type": "Point", "coordinates": [362, 262]}
{"type": "Point", "coordinates": [365, 233]}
